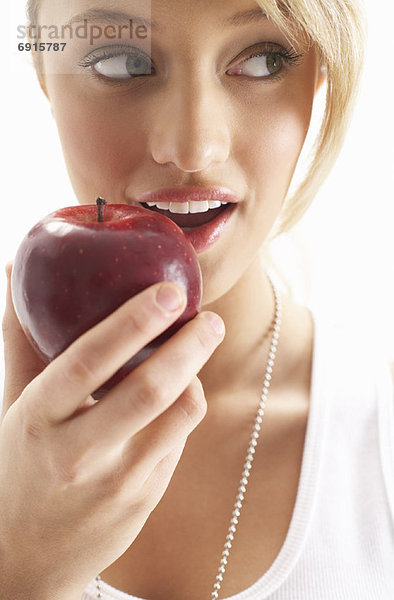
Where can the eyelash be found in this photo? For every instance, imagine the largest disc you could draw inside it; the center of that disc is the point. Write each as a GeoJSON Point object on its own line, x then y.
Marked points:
{"type": "Point", "coordinates": [288, 55]}
{"type": "Point", "coordinates": [92, 59]}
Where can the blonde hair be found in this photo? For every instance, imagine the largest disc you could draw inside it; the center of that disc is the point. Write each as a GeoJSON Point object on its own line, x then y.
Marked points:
{"type": "Point", "coordinates": [336, 29]}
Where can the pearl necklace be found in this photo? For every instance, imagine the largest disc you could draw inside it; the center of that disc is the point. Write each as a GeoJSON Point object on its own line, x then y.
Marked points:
{"type": "Point", "coordinates": [249, 454]}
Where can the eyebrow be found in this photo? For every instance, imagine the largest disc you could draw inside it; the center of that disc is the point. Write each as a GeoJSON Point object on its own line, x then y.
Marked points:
{"type": "Point", "coordinates": [110, 17]}
{"type": "Point", "coordinates": [101, 15]}
{"type": "Point", "coordinates": [244, 17]}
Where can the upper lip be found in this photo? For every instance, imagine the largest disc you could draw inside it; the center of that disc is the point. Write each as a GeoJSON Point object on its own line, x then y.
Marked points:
{"type": "Point", "coordinates": [187, 194]}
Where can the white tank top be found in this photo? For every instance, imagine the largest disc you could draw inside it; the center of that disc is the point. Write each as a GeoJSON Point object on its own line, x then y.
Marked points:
{"type": "Point", "coordinates": [340, 542]}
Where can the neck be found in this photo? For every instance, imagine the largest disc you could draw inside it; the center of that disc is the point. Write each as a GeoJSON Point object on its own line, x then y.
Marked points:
{"type": "Point", "coordinates": [248, 313]}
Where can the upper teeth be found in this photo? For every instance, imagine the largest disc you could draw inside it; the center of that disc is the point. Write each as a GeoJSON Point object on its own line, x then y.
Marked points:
{"type": "Point", "coordinates": [187, 207]}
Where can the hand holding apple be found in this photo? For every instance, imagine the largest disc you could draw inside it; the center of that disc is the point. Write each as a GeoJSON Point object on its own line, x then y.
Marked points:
{"type": "Point", "coordinates": [65, 462]}
{"type": "Point", "coordinates": [79, 264]}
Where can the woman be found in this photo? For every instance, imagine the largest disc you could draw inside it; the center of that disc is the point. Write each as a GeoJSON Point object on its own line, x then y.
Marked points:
{"type": "Point", "coordinates": [140, 486]}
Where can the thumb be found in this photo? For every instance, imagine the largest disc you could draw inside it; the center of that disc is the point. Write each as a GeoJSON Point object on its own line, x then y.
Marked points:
{"type": "Point", "coordinates": [22, 364]}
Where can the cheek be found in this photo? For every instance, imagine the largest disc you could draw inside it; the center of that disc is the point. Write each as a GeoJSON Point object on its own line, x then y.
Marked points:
{"type": "Point", "coordinates": [100, 149]}
{"type": "Point", "coordinates": [276, 134]}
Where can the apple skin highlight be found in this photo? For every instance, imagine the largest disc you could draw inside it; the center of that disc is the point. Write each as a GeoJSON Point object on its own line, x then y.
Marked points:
{"type": "Point", "coordinates": [71, 271]}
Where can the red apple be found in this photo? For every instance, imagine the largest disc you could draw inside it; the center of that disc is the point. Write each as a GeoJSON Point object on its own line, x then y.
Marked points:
{"type": "Point", "coordinates": [76, 266]}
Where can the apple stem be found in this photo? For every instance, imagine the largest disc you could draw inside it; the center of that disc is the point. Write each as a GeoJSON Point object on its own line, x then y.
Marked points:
{"type": "Point", "coordinates": [100, 209]}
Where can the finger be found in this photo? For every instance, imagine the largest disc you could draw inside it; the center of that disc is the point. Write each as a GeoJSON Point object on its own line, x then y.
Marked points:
{"type": "Point", "coordinates": [154, 385]}
{"type": "Point", "coordinates": [137, 457]}
{"type": "Point", "coordinates": [159, 479]}
{"type": "Point", "coordinates": [94, 357]}
{"type": "Point", "coordinates": [152, 489]}
{"type": "Point", "coordinates": [165, 434]}
{"type": "Point", "coordinates": [149, 460]}
{"type": "Point", "coordinates": [22, 363]}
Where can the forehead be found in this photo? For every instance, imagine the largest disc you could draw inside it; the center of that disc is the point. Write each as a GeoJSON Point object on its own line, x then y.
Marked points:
{"type": "Point", "coordinates": [225, 13]}
{"type": "Point", "coordinates": [190, 22]}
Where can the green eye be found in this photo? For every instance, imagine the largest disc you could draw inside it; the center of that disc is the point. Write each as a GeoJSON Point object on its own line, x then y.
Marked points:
{"type": "Point", "coordinates": [274, 63]}
{"type": "Point", "coordinates": [270, 60]}
{"type": "Point", "coordinates": [137, 65]}
{"type": "Point", "coordinates": [119, 62]}
{"type": "Point", "coordinates": [123, 67]}
{"type": "Point", "coordinates": [262, 65]}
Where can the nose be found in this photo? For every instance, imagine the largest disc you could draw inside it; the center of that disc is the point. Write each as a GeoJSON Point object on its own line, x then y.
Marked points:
{"type": "Point", "coordinates": [190, 128]}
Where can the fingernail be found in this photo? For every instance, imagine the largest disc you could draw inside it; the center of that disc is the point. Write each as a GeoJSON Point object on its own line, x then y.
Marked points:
{"type": "Point", "coordinates": [169, 297]}
{"type": "Point", "coordinates": [216, 322]}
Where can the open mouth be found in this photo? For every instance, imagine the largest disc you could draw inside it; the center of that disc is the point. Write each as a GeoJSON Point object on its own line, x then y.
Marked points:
{"type": "Point", "coordinates": [189, 220]}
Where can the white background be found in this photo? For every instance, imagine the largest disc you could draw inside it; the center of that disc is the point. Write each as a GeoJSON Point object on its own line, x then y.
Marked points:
{"type": "Point", "coordinates": [338, 259]}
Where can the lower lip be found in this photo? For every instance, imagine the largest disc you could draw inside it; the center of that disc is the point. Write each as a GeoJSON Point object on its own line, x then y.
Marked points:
{"type": "Point", "coordinates": [206, 235]}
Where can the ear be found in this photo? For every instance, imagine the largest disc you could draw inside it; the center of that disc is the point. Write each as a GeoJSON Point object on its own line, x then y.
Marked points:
{"type": "Point", "coordinates": [321, 76]}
